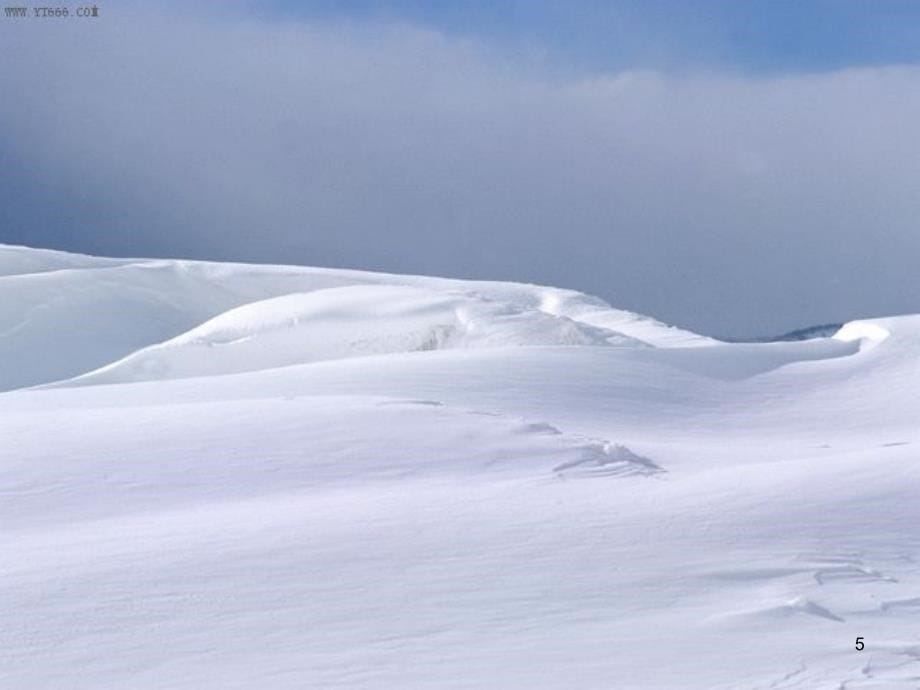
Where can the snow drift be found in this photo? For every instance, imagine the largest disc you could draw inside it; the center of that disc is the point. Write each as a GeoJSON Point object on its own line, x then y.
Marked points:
{"type": "Point", "coordinates": [63, 315]}
{"type": "Point", "coordinates": [231, 476]}
{"type": "Point", "coordinates": [352, 321]}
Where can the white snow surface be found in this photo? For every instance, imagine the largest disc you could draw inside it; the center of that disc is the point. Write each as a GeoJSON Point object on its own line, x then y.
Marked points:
{"type": "Point", "coordinates": [241, 476]}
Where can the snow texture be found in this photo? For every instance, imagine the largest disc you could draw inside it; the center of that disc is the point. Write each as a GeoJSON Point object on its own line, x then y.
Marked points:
{"type": "Point", "coordinates": [238, 476]}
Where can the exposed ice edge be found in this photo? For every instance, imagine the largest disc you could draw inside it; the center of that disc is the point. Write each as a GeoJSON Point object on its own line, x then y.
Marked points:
{"type": "Point", "coordinates": [607, 459]}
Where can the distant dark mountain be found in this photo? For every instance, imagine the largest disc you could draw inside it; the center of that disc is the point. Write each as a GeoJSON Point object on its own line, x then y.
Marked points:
{"type": "Point", "coordinates": [823, 331]}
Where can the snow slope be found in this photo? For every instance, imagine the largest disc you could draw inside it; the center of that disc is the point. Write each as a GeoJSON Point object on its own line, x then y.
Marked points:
{"type": "Point", "coordinates": [237, 476]}
{"type": "Point", "coordinates": [352, 321]}
{"type": "Point", "coordinates": [62, 315]}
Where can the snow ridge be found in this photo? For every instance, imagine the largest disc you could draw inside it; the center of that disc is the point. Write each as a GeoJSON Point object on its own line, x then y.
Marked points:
{"type": "Point", "coordinates": [63, 315]}
{"type": "Point", "coordinates": [233, 476]}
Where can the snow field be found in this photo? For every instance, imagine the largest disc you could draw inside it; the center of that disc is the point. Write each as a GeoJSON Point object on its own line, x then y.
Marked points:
{"type": "Point", "coordinates": [229, 476]}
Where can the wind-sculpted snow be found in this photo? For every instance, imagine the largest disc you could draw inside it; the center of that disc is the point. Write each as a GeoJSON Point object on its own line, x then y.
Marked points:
{"type": "Point", "coordinates": [869, 332]}
{"type": "Point", "coordinates": [285, 477]}
{"type": "Point", "coordinates": [19, 261]}
{"type": "Point", "coordinates": [64, 315]}
{"type": "Point", "coordinates": [353, 321]}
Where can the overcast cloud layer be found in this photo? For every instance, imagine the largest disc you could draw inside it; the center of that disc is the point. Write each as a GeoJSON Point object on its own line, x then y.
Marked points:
{"type": "Point", "coordinates": [730, 205]}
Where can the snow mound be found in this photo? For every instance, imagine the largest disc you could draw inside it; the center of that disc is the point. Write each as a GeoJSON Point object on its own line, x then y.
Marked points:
{"type": "Point", "coordinates": [869, 333]}
{"type": "Point", "coordinates": [63, 315]}
{"type": "Point", "coordinates": [518, 477]}
{"type": "Point", "coordinates": [17, 261]}
{"type": "Point", "coordinates": [354, 321]}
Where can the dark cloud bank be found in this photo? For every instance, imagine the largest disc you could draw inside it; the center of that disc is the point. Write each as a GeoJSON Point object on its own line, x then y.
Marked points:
{"type": "Point", "coordinates": [733, 205]}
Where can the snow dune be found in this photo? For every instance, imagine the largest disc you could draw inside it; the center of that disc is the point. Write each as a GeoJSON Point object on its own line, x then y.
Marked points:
{"type": "Point", "coordinates": [351, 321]}
{"type": "Point", "coordinates": [232, 476]}
{"type": "Point", "coordinates": [64, 315]}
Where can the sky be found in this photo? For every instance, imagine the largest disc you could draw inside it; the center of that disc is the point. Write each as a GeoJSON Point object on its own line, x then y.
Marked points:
{"type": "Point", "coordinates": [737, 168]}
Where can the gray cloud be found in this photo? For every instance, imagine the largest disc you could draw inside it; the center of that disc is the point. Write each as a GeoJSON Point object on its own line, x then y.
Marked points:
{"type": "Point", "coordinates": [728, 204]}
